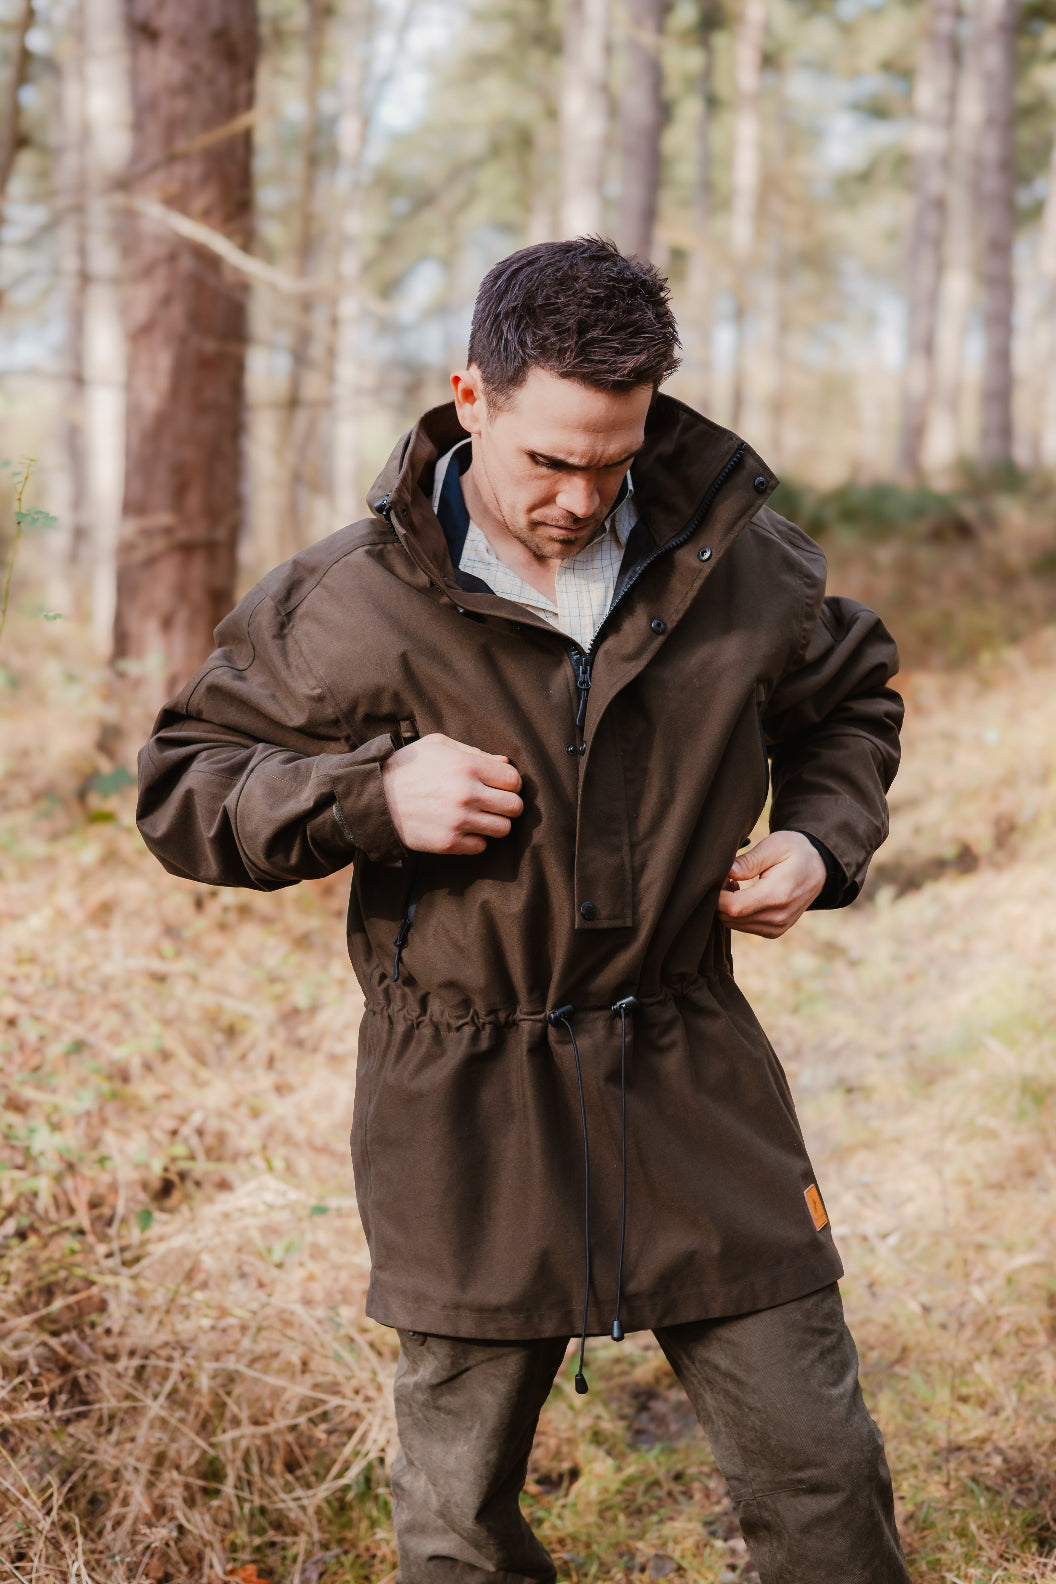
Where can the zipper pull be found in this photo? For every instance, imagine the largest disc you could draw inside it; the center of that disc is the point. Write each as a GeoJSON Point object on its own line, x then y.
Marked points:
{"type": "Point", "coordinates": [400, 942]}
{"type": "Point", "coordinates": [581, 665]}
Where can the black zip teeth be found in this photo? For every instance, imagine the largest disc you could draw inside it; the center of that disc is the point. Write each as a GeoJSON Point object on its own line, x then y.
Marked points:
{"type": "Point", "coordinates": [583, 663]}
{"type": "Point", "coordinates": [383, 509]}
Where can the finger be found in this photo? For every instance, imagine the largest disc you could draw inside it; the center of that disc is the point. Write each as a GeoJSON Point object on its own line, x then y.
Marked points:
{"type": "Point", "coordinates": [769, 892]}
{"type": "Point", "coordinates": [490, 801]}
{"type": "Point", "coordinates": [466, 846]}
{"type": "Point", "coordinates": [499, 772]}
{"type": "Point", "coordinates": [476, 824]}
{"type": "Point", "coordinates": [470, 748]}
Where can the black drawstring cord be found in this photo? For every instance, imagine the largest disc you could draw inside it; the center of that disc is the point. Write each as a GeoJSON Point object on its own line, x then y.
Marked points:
{"type": "Point", "coordinates": [563, 1015]}
{"type": "Point", "coordinates": [621, 1009]}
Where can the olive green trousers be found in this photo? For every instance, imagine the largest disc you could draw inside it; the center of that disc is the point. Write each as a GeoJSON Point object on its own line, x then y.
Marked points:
{"type": "Point", "coordinates": [776, 1392]}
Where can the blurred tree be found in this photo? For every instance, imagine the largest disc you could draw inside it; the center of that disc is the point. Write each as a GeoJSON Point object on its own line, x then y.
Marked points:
{"type": "Point", "coordinates": [933, 101]}
{"type": "Point", "coordinates": [349, 201]}
{"type": "Point", "coordinates": [997, 221]}
{"type": "Point", "coordinates": [1045, 351]}
{"type": "Point", "coordinates": [295, 437]}
{"type": "Point", "coordinates": [15, 77]}
{"type": "Point", "coordinates": [584, 116]}
{"type": "Point", "coordinates": [102, 58]}
{"type": "Point", "coordinates": [942, 446]}
{"type": "Point", "coordinates": [641, 126]}
{"type": "Point", "coordinates": [749, 38]}
{"type": "Point", "coordinates": [700, 285]}
{"type": "Point", "coordinates": [193, 66]}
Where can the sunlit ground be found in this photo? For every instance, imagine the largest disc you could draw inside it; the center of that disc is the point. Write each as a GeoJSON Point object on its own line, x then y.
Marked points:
{"type": "Point", "coordinates": [190, 1389]}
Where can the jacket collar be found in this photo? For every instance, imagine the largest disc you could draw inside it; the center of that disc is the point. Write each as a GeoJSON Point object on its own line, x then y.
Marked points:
{"type": "Point", "coordinates": [683, 455]}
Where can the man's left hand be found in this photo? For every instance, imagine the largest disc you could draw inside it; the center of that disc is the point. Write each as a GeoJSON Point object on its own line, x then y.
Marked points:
{"type": "Point", "coordinates": [772, 884]}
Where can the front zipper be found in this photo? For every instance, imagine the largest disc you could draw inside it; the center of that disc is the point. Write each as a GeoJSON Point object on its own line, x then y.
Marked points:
{"type": "Point", "coordinates": [583, 663]}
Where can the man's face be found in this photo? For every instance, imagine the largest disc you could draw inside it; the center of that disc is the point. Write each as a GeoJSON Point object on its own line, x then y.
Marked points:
{"type": "Point", "coordinates": [549, 464]}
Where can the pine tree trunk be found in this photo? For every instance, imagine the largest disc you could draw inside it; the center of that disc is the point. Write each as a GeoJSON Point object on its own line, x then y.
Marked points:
{"type": "Point", "coordinates": [584, 116]}
{"type": "Point", "coordinates": [943, 446]}
{"type": "Point", "coordinates": [69, 489]}
{"type": "Point", "coordinates": [295, 522]}
{"type": "Point", "coordinates": [699, 282]}
{"type": "Point", "coordinates": [748, 42]}
{"type": "Point", "coordinates": [933, 102]}
{"type": "Point", "coordinates": [106, 114]}
{"type": "Point", "coordinates": [1046, 349]}
{"type": "Point", "coordinates": [997, 215]}
{"type": "Point", "coordinates": [9, 105]}
{"type": "Point", "coordinates": [347, 386]}
{"type": "Point", "coordinates": [193, 68]}
{"type": "Point", "coordinates": [641, 126]}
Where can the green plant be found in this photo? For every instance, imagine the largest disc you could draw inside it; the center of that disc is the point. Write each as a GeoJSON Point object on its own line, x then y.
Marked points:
{"type": "Point", "coordinates": [24, 520]}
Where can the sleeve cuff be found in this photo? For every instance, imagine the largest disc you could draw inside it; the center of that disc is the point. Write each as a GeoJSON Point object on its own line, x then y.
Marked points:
{"type": "Point", "coordinates": [838, 891]}
{"type": "Point", "coordinates": [361, 809]}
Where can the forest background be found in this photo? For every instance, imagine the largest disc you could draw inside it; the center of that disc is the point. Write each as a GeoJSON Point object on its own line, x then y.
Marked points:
{"type": "Point", "coordinates": [239, 246]}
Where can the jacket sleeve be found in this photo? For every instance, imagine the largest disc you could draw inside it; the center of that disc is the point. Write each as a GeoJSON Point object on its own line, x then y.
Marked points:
{"type": "Point", "coordinates": [831, 724]}
{"type": "Point", "coordinates": [251, 777]}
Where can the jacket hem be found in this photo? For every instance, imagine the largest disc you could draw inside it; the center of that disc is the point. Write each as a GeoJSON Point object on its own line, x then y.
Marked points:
{"type": "Point", "coordinates": [649, 1313]}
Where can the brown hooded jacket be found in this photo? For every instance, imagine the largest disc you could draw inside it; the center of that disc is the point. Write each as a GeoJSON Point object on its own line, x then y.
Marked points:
{"type": "Point", "coordinates": [476, 1112]}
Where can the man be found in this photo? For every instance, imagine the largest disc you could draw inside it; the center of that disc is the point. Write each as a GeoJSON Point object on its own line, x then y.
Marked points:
{"type": "Point", "coordinates": [532, 700]}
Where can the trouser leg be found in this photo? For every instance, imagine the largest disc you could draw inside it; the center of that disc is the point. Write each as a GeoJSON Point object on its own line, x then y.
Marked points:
{"type": "Point", "coordinates": [466, 1412]}
{"type": "Point", "coordinates": [777, 1393]}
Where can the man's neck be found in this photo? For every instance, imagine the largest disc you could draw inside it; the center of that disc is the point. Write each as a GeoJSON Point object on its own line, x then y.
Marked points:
{"type": "Point", "coordinates": [540, 572]}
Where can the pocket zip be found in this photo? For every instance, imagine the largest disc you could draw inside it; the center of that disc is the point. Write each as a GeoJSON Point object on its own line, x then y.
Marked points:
{"type": "Point", "coordinates": [410, 908]}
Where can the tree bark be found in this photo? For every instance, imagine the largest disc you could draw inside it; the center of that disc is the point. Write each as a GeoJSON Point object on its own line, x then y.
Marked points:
{"type": "Point", "coordinates": [1046, 350]}
{"type": "Point", "coordinates": [942, 448]}
{"type": "Point", "coordinates": [748, 42]}
{"type": "Point", "coordinates": [933, 101]}
{"type": "Point", "coordinates": [584, 116]}
{"type": "Point", "coordinates": [295, 525]}
{"type": "Point", "coordinates": [347, 386]}
{"type": "Point", "coordinates": [193, 66]}
{"type": "Point", "coordinates": [69, 492]}
{"type": "Point", "coordinates": [107, 113]}
{"type": "Point", "coordinates": [699, 283]}
{"type": "Point", "coordinates": [9, 107]}
{"type": "Point", "coordinates": [997, 214]}
{"type": "Point", "coordinates": [641, 125]}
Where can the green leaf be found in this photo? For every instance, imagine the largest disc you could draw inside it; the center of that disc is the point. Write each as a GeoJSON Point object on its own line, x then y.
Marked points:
{"type": "Point", "coordinates": [52, 615]}
{"type": "Point", "coordinates": [113, 781]}
{"type": "Point", "coordinates": [319, 1210]}
{"type": "Point", "coordinates": [144, 1219]}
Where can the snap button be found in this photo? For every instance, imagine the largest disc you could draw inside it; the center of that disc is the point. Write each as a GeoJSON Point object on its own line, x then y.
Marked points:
{"type": "Point", "coordinates": [570, 748]}
{"type": "Point", "coordinates": [588, 911]}
{"type": "Point", "coordinates": [657, 625]}
{"type": "Point", "coordinates": [705, 554]}
{"type": "Point", "coordinates": [760, 485]}
{"type": "Point", "coordinates": [582, 748]}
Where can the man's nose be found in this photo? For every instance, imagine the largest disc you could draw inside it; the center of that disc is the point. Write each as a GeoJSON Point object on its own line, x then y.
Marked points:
{"type": "Point", "coordinates": [578, 496]}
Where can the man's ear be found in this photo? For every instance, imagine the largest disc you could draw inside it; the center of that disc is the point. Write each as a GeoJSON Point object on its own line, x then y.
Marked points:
{"type": "Point", "coordinates": [470, 401]}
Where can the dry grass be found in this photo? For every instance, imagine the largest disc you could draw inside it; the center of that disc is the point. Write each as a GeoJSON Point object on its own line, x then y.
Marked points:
{"type": "Point", "coordinates": [189, 1390]}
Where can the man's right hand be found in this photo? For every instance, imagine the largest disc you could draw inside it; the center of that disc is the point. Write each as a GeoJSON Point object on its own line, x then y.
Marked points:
{"type": "Point", "coordinates": [446, 797]}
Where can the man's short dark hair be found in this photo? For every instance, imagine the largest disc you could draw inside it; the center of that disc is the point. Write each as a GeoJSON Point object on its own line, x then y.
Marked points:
{"type": "Point", "coordinates": [579, 309]}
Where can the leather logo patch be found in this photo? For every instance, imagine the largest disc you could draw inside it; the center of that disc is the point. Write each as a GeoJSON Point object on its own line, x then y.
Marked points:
{"type": "Point", "coordinates": [815, 1206]}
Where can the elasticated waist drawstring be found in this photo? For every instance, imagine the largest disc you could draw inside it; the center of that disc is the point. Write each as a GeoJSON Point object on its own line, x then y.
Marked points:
{"type": "Point", "coordinates": [621, 1009]}
{"type": "Point", "coordinates": [563, 1015]}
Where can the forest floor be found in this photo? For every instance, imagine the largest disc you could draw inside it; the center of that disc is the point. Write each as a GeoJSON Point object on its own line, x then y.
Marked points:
{"type": "Point", "coordinates": [188, 1388]}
